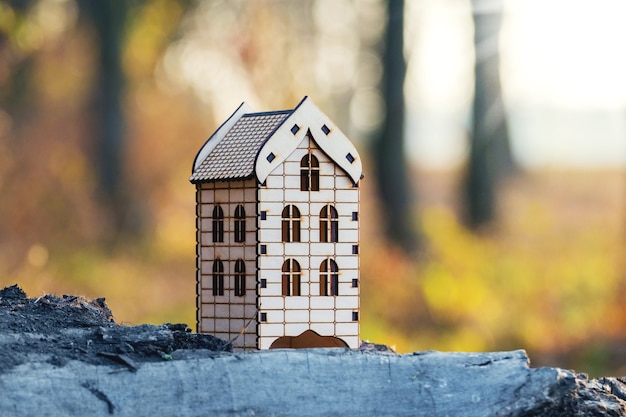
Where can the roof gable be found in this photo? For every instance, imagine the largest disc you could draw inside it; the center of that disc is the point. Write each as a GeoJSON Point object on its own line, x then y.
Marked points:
{"type": "Point", "coordinates": [307, 117]}
{"type": "Point", "coordinates": [250, 144]}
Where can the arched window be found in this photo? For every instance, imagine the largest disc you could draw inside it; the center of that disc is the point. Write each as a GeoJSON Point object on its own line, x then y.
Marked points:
{"type": "Point", "coordinates": [329, 274]}
{"type": "Point", "coordinates": [218, 278]}
{"type": "Point", "coordinates": [291, 224]}
{"type": "Point", "coordinates": [329, 224]}
{"type": "Point", "coordinates": [218, 224]}
{"type": "Point", "coordinates": [309, 173]}
{"type": "Point", "coordinates": [240, 224]}
{"type": "Point", "coordinates": [240, 278]}
{"type": "Point", "coordinates": [291, 277]}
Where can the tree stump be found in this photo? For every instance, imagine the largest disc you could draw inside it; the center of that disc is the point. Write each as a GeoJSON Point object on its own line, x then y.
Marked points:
{"type": "Point", "coordinates": [66, 357]}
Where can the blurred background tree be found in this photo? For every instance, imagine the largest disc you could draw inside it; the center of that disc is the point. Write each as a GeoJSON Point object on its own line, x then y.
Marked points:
{"type": "Point", "coordinates": [489, 157]}
{"type": "Point", "coordinates": [109, 24]}
{"type": "Point", "coordinates": [392, 173]}
{"type": "Point", "coordinates": [104, 106]}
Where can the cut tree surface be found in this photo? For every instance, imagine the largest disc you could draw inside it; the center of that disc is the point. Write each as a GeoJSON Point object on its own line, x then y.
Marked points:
{"type": "Point", "coordinates": [58, 329]}
{"type": "Point", "coordinates": [166, 371]}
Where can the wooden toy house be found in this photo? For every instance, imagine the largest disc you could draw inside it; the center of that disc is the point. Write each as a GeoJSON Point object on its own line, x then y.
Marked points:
{"type": "Point", "coordinates": [277, 206]}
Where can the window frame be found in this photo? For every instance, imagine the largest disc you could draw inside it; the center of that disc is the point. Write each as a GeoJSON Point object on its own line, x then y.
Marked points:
{"type": "Point", "coordinates": [309, 173]}
{"type": "Point", "coordinates": [329, 276]}
{"type": "Point", "coordinates": [217, 231]}
{"type": "Point", "coordinates": [218, 278]}
{"type": "Point", "coordinates": [240, 278]}
{"type": "Point", "coordinates": [240, 224]}
{"type": "Point", "coordinates": [291, 278]}
{"type": "Point", "coordinates": [329, 217]}
{"type": "Point", "coordinates": [290, 224]}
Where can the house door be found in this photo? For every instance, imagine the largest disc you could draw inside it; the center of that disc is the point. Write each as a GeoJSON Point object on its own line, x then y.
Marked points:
{"type": "Point", "coordinates": [307, 339]}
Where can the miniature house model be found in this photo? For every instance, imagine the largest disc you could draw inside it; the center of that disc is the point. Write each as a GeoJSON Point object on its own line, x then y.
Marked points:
{"type": "Point", "coordinates": [277, 205]}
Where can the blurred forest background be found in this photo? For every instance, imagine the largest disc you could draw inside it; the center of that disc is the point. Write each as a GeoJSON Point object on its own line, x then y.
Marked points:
{"type": "Point", "coordinates": [493, 134]}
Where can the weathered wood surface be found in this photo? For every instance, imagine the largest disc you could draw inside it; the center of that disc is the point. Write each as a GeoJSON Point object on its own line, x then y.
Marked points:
{"type": "Point", "coordinates": [65, 356]}
{"type": "Point", "coordinates": [314, 382]}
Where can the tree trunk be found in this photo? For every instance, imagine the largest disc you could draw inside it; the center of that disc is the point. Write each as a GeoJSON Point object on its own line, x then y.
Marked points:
{"type": "Point", "coordinates": [109, 20]}
{"type": "Point", "coordinates": [316, 382]}
{"type": "Point", "coordinates": [64, 356]}
{"type": "Point", "coordinates": [490, 154]}
{"type": "Point", "coordinates": [388, 149]}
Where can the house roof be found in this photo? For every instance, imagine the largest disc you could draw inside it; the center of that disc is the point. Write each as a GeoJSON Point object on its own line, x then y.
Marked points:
{"type": "Point", "coordinates": [234, 156]}
{"type": "Point", "coordinates": [250, 144]}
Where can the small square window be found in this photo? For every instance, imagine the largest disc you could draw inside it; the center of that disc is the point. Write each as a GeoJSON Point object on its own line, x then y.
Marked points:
{"type": "Point", "coordinates": [263, 283]}
{"type": "Point", "coordinates": [355, 316]}
{"type": "Point", "coordinates": [355, 249]}
{"type": "Point", "coordinates": [355, 283]}
{"type": "Point", "coordinates": [264, 317]}
{"type": "Point", "coordinates": [270, 157]}
{"type": "Point", "coordinates": [355, 216]}
{"type": "Point", "coordinates": [294, 129]}
{"type": "Point", "coordinates": [263, 249]}
{"type": "Point", "coordinates": [263, 215]}
{"type": "Point", "coordinates": [326, 130]}
{"type": "Point", "coordinates": [350, 158]}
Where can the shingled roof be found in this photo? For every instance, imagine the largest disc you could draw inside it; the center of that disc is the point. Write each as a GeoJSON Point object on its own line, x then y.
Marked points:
{"type": "Point", "coordinates": [251, 145]}
{"type": "Point", "coordinates": [235, 154]}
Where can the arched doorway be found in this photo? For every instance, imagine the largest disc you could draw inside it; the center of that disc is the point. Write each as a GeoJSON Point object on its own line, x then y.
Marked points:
{"type": "Point", "coordinates": [307, 339]}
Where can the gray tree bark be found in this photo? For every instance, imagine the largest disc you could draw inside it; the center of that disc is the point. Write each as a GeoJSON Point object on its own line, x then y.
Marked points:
{"type": "Point", "coordinates": [316, 382]}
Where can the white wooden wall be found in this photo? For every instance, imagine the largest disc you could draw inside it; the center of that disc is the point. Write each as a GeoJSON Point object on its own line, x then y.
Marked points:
{"type": "Point", "coordinates": [227, 316]}
{"type": "Point", "coordinates": [291, 315]}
